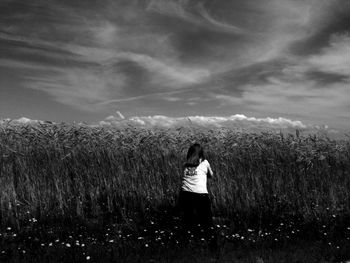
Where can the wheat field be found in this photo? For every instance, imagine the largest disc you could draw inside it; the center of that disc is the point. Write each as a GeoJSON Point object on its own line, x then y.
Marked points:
{"type": "Point", "coordinates": [73, 192]}
{"type": "Point", "coordinates": [77, 171]}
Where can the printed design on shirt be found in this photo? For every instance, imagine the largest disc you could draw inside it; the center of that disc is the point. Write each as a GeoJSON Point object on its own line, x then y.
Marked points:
{"type": "Point", "coordinates": [190, 171]}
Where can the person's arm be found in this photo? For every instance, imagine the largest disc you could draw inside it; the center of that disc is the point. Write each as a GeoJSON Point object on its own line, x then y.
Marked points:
{"type": "Point", "coordinates": [210, 172]}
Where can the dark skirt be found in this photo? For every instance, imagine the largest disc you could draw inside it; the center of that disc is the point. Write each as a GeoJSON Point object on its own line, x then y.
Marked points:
{"type": "Point", "coordinates": [196, 209]}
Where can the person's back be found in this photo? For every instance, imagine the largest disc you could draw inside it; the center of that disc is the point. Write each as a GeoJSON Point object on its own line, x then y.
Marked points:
{"type": "Point", "coordinates": [195, 178]}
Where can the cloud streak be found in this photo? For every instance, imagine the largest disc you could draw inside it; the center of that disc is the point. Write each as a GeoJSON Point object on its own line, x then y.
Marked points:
{"type": "Point", "coordinates": [195, 13]}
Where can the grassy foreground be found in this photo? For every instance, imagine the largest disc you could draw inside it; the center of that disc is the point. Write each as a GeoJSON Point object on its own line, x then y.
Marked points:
{"type": "Point", "coordinates": [131, 177]}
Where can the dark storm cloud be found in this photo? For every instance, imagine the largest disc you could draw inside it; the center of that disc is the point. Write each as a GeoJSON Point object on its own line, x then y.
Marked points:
{"type": "Point", "coordinates": [334, 19]}
{"type": "Point", "coordinates": [324, 78]}
{"type": "Point", "coordinates": [238, 54]}
{"type": "Point", "coordinates": [255, 74]}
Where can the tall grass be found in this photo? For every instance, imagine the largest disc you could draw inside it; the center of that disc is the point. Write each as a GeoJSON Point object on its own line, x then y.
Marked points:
{"type": "Point", "coordinates": [76, 171]}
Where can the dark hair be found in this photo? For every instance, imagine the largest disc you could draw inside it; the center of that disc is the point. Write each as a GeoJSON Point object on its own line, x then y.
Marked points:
{"type": "Point", "coordinates": [194, 153]}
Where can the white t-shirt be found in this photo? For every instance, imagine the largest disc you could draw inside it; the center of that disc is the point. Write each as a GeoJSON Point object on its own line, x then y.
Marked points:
{"type": "Point", "coordinates": [195, 178]}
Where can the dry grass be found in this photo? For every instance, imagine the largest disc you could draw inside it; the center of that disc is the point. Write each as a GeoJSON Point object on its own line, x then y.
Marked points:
{"type": "Point", "coordinates": [75, 171]}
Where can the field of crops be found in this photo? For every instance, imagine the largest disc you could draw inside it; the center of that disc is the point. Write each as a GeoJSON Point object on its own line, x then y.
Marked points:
{"type": "Point", "coordinates": [129, 178]}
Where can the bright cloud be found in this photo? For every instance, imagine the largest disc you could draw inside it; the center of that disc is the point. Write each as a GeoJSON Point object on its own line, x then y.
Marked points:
{"type": "Point", "coordinates": [213, 121]}
{"type": "Point", "coordinates": [23, 121]}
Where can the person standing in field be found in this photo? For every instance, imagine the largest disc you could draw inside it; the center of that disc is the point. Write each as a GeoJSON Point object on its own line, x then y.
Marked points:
{"type": "Point", "coordinates": [194, 199]}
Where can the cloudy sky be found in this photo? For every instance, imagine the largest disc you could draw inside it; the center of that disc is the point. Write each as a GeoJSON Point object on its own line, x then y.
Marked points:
{"type": "Point", "coordinates": [83, 60]}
